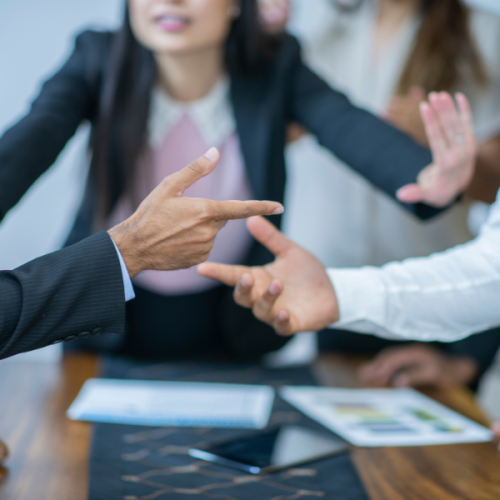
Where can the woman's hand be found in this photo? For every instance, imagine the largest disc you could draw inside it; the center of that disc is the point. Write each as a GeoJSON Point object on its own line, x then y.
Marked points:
{"type": "Point", "coordinates": [274, 14]}
{"type": "Point", "coordinates": [451, 137]}
{"type": "Point", "coordinates": [292, 294]}
{"type": "Point", "coordinates": [404, 113]}
{"type": "Point", "coordinates": [418, 365]}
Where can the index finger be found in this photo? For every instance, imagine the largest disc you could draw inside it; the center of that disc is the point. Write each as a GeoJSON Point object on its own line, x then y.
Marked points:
{"type": "Point", "coordinates": [230, 210]}
{"type": "Point", "coordinates": [229, 275]}
{"type": "Point", "coordinates": [433, 131]}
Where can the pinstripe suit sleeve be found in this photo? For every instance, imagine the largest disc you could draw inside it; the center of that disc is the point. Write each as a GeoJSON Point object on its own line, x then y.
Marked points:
{"type": "Point", "coordinates": [73, 293]}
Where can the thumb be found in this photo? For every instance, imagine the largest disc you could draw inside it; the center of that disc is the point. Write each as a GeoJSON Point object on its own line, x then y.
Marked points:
{"type": "Point", "coordinates": [411, 193]}
{"type": "Point", "coordinates": [267, 234]}
{"type": "Point", "coordinates": [177, 183]}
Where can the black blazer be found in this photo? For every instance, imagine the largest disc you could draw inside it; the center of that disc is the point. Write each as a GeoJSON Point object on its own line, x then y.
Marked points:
{"type": "Point", "coordinates": [74, 293]}
{"type": "Point", "coordinates": [284, 90]}
{"type": "Point", "coordinates": [264, 102]}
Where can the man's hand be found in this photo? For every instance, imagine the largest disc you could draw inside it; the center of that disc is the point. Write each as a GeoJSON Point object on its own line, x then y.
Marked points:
{"type": "Point", "coordinates": [169, 231]}
{"type": "Point", "coordinates": [451, 137]}
{"type": "Point", "coordinates": [292, 294]}
{"type": "Point", "coordinates": [418, 365]}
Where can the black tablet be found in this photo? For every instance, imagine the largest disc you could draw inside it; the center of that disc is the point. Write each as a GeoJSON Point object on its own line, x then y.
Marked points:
{"type": "Point", "coordinates": [271, 450]}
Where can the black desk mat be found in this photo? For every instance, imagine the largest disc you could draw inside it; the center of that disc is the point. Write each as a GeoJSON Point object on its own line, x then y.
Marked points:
{"type": "Point", "coordinates": [130, 462]}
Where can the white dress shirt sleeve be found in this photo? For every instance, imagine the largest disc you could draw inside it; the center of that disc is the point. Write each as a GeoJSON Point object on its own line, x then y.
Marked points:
{"type": "Point", "coordinates": [444, 297]}
{"type": "Point", "coordinates": [127, 282]}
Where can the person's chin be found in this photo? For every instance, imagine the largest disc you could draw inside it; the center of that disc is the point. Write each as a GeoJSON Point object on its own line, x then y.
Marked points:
{"type": "Point", "coordinates": [174, 46]}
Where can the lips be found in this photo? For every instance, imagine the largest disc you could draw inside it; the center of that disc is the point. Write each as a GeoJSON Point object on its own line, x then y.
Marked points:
{"type": "Point", "coordinates": [170, 22]}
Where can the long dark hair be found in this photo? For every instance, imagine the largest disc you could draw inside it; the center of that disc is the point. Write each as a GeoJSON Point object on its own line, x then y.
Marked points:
{"type": "Point", "coordinates": [443, 48]}
{"type": "Point", "coordinates": [119, 138]}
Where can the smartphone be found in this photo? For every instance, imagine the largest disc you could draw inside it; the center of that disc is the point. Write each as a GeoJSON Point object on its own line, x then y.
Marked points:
{"type": "Point", "coordinates": [272, 450]}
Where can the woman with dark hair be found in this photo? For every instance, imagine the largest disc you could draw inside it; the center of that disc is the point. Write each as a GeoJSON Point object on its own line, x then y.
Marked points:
{"type": "Point", "coordinates": [386, 55]}
{"type": "Point", "coordinates": [178, 77]}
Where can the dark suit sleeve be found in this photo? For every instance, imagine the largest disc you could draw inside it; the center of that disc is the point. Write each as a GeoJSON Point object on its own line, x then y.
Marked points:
{"type": "Point", "coordinates": [379, 152]}
{"type": "Point", "coordinates": [74, 293]}
{"type": "Point", "coordinates": [32, 145]}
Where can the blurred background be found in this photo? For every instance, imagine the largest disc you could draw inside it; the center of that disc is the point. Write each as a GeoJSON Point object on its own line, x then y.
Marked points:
{"type": "Point", "coordinates": [34, 44]}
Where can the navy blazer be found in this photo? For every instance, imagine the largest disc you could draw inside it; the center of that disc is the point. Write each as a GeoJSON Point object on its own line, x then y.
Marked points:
{"type": "Point", "coordinates": [264, 102]}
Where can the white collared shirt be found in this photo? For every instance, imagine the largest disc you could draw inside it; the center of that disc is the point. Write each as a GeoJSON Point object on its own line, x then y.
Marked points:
{"type": "Point", "coordinates": [212, 115]}
{"type": "Point", "coordinates": [444, 297]}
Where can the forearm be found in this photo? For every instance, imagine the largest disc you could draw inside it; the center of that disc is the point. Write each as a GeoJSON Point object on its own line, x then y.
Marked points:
{"type": "Point", "coordinates": [33, 144]}
{"type": "Point", "coordinates": [382, 154]}
{"type": "Point", "coordinates": [444, 297]}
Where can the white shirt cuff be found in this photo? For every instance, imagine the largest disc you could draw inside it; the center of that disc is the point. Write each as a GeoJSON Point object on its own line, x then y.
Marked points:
{"type": "Point", "coordinates": [127, 282]}
{"type": "Point", "coordinates": [361, 299]}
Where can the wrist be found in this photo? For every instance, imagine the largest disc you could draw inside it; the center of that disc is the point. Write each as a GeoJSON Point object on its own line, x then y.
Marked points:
{"type": "Point", "coordinates": [128, 248]}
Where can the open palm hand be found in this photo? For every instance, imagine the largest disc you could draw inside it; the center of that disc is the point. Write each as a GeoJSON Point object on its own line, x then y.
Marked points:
{"type": "Point", "coordinates": [292, 294]}
{"type": "Point", "coordinates": [451, 137]}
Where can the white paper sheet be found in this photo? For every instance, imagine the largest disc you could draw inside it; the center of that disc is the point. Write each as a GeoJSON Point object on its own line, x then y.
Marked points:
{"type": "Point", "coordinates": [178, 404]}
{"type": "Point", "coordinates": [385, 417]}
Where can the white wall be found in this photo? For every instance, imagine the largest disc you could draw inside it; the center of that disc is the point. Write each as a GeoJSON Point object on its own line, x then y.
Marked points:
{"type": "Point", "coordinates": [491, 5]}
{"type": "Point", "coordinates": [35, 38]}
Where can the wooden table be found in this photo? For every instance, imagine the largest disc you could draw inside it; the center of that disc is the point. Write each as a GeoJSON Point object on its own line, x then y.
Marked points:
{"type": "Point", "coordinates": [49, 453]}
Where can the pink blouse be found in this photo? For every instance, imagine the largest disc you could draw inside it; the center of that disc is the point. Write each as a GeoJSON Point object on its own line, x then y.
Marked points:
{"type": "Point", "coordinates": [183, 143]}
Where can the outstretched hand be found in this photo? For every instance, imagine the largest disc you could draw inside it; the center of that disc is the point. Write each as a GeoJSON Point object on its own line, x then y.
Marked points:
{"type": "Point", "coordinates": [292, 294]}
{"type": "Point", "coordinates": [450, 134]}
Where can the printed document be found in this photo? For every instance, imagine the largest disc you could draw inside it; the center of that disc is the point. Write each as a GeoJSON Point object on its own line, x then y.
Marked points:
{"type": "Point", "coordinates": [385, 417]}
{"type": "Point", "coordinates": [183, 404]}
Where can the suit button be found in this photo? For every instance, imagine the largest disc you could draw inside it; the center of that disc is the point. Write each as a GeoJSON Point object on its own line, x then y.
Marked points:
{"type": "Point", "coordinates": [85, 334]}
{"type": "Point", "coordinates": [97, 331]}
{"type": "Point", "coordinates": [71, 337]}
{"type": "Point", "coordinates": [57, 342]}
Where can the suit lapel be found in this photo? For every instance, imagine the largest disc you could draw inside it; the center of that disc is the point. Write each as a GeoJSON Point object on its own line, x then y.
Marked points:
{"type": "Point", "coordinates": [248, 96]}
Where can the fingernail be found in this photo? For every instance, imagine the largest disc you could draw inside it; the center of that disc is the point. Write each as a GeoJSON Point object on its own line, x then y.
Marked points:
{"type": "Point", "coordinates": [282, 316]}
{"type": "Point", "coordinates": [244, 282]}
{"type": "Point", "coordinates": [274, 288]}
{"type": "Point", "coordinates": [211, 154]}
{"type": "Point", "coordinates": [278, 211]}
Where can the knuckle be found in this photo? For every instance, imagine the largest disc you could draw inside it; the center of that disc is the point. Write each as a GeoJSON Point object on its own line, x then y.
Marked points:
{"type": "Point", "coordinates": [207, 235]}
{"type": "Point", "coordinates": [197, 167]}
{"type": "Point", "coordinates": [205, 209]}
